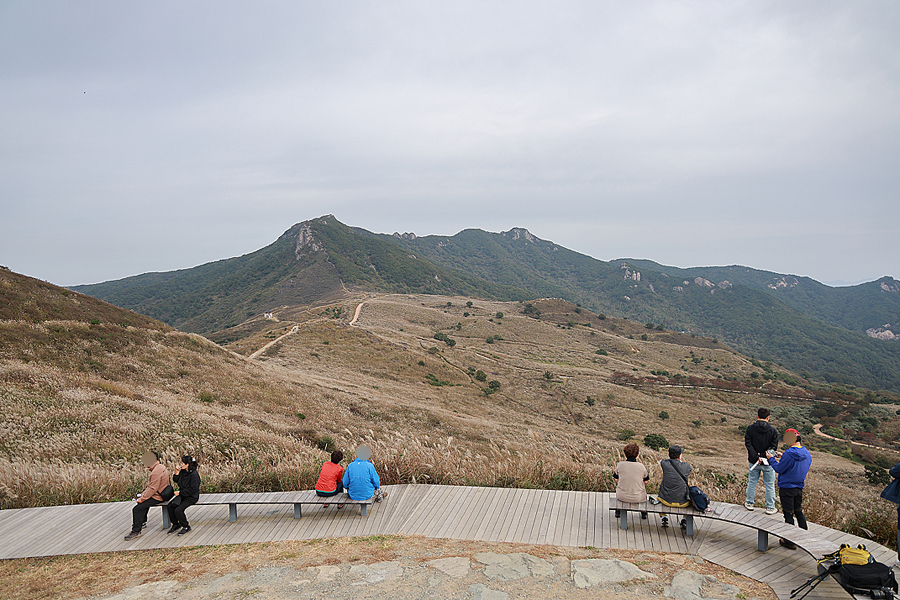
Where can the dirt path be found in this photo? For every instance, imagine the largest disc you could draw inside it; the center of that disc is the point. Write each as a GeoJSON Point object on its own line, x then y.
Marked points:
{"type": "Point", "coordinates": [275, 341]}
{"type": "Point", "coordinates": [356, 314]}
{"type": "Point", "coordinates": [818, 429]}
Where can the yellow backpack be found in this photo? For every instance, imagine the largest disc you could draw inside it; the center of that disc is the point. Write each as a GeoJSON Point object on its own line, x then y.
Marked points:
{"type": "Point", "coordinates": [847, 555]}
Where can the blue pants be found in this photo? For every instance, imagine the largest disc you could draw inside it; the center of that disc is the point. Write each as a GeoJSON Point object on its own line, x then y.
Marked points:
{"type": "Point", "coordinates": [768, 475]}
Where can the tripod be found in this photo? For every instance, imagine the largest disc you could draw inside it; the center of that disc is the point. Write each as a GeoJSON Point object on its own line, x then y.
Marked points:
{"type": "Point", "coordinates": [812, 583]}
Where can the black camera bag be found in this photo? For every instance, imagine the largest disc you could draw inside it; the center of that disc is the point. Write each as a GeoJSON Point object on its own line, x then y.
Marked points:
{"type": "Point", "coordinates": [859, 579]}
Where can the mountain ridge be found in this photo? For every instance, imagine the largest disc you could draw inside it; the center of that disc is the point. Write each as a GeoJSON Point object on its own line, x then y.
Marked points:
{"type": "Point", "coordinates": [789, 319]}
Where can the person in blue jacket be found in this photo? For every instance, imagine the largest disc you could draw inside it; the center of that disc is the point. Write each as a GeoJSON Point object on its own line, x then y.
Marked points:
{"type": "Point", "coordinates": [792, 467]}
{"type": "Point", "coordinates": [892, 493]}
{"type": "Point", "coordinates": [360, 479]}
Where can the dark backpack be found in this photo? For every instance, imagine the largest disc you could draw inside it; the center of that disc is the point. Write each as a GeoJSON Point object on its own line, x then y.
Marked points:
{"type": "Point", "coordinates": [859, 579]}
{"type": "Point", "coordinates": [698, 498]}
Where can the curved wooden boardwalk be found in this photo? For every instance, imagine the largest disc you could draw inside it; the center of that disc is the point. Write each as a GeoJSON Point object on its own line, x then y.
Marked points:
{"type": "Point", "coordinates": [560, 518]}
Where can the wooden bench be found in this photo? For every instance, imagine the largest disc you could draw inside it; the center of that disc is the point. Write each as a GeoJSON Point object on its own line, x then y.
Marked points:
{"type": "Point", "coordinates": [764, 524]}
{"type": "Point", "coordinates": [298, 499]}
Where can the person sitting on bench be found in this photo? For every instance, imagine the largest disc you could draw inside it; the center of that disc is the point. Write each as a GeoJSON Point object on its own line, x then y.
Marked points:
{"type": "Point", "coordinates": [159, 480]}
{"type": "Point", "coordinates": [360, 478]}
{"type": "Point", "coordinates": [329, 483]}
{"type": "Point", "coordinates": [188, 481]}
{"type": "Point", "coordinates": [673, 489]}
{"type": "Point", "coordinates": [631, 479]}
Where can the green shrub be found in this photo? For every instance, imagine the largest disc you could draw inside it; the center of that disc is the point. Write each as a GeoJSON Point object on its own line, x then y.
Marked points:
{"type": "Point", "coordinates": [644, 337]}
{"type": "Point", "coordinates": [590, 401]}
{"type": "Point", "coordinates": [625, 435]}
{"type": "Point", "coordinates": [326, 443]}
{"type": "Point", "coordinates": [421, 363]}
{"type": "Point", "coordinates": [480, 375]}
{"type": "Point", "coordinates": [655, 441]}
{"type": "Point", "coordinates": [548, 375]}
{"type": "Point", "coordinates": [499, 315]}
{"type": "Point", "coordinates": [443, 337]}
{"type": "Point", "coordinates": [207, 397]}
{"type": "Point", "coordinates": [300, 416]}
{"type": "Point", "coordinates": [494, 385]}
{"type": "Point", "coordinates": [602, 352]}
{"type": "Point", "coordinates": [663, 415]}
{"type": "Point", "coordinates": [877, 476]}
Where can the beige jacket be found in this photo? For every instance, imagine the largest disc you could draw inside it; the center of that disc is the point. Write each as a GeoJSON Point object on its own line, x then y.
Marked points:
{"type": "Point", "coordinates": [159, 479]}
{"type": "Point", "coordinates": [631, 477]}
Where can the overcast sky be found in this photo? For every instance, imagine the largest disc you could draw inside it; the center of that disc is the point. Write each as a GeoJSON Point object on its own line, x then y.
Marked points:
{"type": "Point", "coordinates": [151, 136]}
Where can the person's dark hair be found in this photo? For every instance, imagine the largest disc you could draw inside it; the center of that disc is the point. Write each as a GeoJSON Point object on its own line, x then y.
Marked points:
{"type": "Point", "coordinates": [337, 456]}
{"type": "Point", "coordinates": [631, 451]}
{"type": "Point", "coordinates": [798, 437]}
{"type": "Point", "coordinates": [189, 461]}
{"type": "Point", "coordinates": [763, 413]}
{"type": "Point", "coordinates": [675, 452]}
{"type": "Point", "coordinates": [155, 453]}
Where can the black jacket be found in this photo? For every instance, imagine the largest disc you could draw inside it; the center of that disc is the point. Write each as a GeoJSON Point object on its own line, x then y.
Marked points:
{"type": "Point", "coordinates": [760, 436]}
{"type": "Point", "coordinates": [188, 483]}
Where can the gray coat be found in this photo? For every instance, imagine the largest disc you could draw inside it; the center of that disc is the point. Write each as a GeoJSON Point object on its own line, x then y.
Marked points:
{"type": "Point", "coordinates": [673, 488]}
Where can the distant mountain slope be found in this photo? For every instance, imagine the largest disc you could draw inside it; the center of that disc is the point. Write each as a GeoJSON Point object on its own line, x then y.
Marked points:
{"type": "Point", "coordinates": [310, 262]}
{"type": "Point", "coordinates": [858, 308]}
{"type": "Point", "coordinates": [796, 321]}
{"type": "Point", "coordinates": [24, 298]}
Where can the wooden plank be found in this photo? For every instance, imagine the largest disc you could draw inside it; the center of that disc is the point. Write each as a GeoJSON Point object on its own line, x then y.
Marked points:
{"type": "Point", "coordinates": [528, 523]}
{"type": "Point", "coordinates": [512, 509]}
{"type": "Point", "coordinates": [460, 505]}
{"type": "Point", "coordinates": [478, 504]}
{"type": "Point", "coordinates": [539, 534]}
{"type": "Point", "coordinates": [492, 506]}
{"type": "Point", "coordinates": [430, 512]}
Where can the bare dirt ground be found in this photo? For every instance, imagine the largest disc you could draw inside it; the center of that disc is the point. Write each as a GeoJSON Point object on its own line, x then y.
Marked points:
{"type": "Point", "coordinates": [373, 567]}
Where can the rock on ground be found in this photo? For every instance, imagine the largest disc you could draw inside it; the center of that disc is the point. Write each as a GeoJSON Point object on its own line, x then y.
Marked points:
{"type": "Point", "coordinates": [594, 571]}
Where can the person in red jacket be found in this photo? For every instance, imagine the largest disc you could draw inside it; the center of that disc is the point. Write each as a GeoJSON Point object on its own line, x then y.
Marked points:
{"type": "Point", "coordinates": [329, 483]}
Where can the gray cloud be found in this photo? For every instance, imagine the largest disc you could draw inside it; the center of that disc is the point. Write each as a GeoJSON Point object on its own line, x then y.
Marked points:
{"type": "Point", "coordinates": [137, 137]}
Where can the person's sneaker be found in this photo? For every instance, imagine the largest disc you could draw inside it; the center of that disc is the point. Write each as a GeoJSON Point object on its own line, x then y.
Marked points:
{"type": "Point", "coordinates": [644, 516]}
{"type": "Point", "coordinates": [749, 505]}
{"type": "Point", "coordinates": [897, 563]}
{"type": "Point", "coordinates": [683, 524]}
{"type": "Point", "coordinates": [665, 521]}
{"type": "Point", "coordinates": [184, 530]}
{"type": "Point", "coordinates": [618, 514]}
{"type": "Point", "coordinates": [132, 535]}
{"type": "Point", "coordinates": [787, 544]}
{"type": "Point", "coordinates": [340, 506]}
{"type": "Point", "coordinates": [771, 511]}
{"type": "Point", "coordinates": [174, 529]}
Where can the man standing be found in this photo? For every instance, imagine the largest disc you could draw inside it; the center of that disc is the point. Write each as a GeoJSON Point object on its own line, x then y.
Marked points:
{"type": "Point", "coordinates": [792, 470]}
{"type": "Point", "coordinates": [159, 479]}
{"type": "Point", "coordinates": [761, 438]}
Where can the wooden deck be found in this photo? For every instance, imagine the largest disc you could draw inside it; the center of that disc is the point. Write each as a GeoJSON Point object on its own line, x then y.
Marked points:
{"type": "Point", "coordinates": [559, 518]}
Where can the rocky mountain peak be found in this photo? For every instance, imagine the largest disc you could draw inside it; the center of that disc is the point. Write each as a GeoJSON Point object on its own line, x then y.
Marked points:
{"type": "Point", "coordinates": [519, 233]}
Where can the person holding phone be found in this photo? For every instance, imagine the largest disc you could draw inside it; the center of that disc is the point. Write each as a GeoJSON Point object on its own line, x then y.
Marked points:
{"type": "Point", "coordinates": [188, 481]}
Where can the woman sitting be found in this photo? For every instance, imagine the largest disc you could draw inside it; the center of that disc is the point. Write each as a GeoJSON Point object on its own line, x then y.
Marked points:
{"type": "Point", "coordinates": [329, 483]}
{"type": "Point", "coordinates": [631, 479]}
{"type": "Point", "coordinates": [188, 481]}
{"type": "Point", "coordinates": [673, 489]}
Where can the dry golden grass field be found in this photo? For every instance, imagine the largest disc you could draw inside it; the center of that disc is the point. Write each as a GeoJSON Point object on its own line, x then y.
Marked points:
{"type": "Point", "coordinates": [82, 398]}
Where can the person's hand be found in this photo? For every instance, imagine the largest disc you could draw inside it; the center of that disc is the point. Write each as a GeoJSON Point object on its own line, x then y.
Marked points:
{"type": "Point", "coordinates": [759, 462]}
{"type": "Point", "coordinates": [176, 493]}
